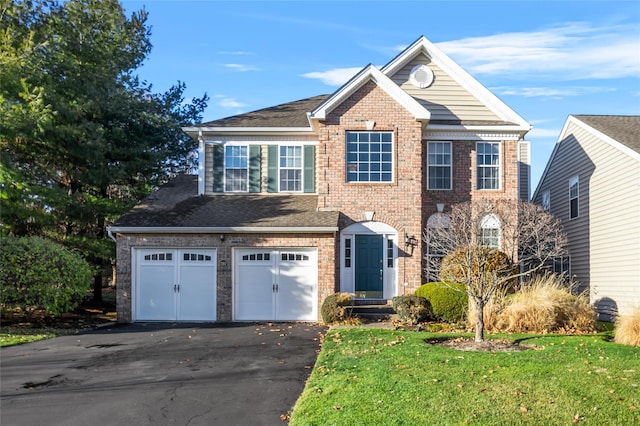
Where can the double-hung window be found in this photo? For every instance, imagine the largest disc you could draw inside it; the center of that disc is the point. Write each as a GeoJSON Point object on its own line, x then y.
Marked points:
{"type": "Point", "coordinates": [488, 165]}
{"type": "Point", "coordinates": [236, 168]}
{"type": "Point", "coordinates": [574, 197]}
{"type": "Point", "coordinates": [291, 168]}
{"type": "Point", "coordinates": [439, 165]}
{"type": "Point", "coordinates": [369, 157]}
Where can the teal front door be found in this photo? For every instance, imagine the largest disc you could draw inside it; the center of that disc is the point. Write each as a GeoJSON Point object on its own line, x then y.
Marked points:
{"type": "Point", "coordinates": [368, 266]}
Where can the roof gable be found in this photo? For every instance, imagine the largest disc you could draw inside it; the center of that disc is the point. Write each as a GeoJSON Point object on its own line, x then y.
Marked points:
{"type": "Point", "coordinates": [422, 46]}
{"type": "Point", "coordinates": [626, 128]}
{"type": "Point", "coordinates": [370, 73]}
{"type": "Point", "coordinates": [615, 129]}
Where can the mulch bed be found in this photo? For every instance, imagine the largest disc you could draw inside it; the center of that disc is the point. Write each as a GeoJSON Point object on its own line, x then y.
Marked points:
{"type": "Point", "coordinates": [88, 315]}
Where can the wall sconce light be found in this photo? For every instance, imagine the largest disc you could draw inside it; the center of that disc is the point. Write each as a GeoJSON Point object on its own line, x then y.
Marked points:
{"type": "Point", "coordinates": [410, 240]}
{"type": "Point", "coordinates": [221, 237]}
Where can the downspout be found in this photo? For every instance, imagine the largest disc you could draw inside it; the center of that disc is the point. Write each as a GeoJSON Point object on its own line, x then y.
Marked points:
{"type": "Point", "coordinates": [110, 234]}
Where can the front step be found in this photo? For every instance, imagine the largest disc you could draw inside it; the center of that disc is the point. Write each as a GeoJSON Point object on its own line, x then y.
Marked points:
{"type": "Point", "coordinates": [372, 313]}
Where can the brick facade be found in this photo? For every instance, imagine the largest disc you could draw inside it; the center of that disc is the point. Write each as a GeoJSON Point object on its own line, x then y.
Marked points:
{"type": "Point", "coordinates": [396, 204]}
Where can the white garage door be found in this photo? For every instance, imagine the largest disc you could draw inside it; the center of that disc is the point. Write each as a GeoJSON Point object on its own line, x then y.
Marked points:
{"type": "Point", "coordinates": [276, 285]}
{"type": "Point", "coordinates": [175, 285]}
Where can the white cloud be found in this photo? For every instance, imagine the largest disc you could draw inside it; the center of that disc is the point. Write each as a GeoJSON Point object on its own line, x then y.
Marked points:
{"type": "Point", "coordinates": [235, 52]}
{"type": "Point", "coordinates": [240, 67]}
{"type": "Point", "coordinates": [229, 103]}
{"type": "Point", "coordinates": [334, 77]}
{"type": "Point", "coordinates": [573, 51]}
{"type": "Point", "coordinates": [551, 92]}
{"type": "Point", "coordinates": [543, 133]}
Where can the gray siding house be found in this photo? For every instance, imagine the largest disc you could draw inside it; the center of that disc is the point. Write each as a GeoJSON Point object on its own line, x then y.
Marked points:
{"type": "Point", "coordinates": [592, 184]}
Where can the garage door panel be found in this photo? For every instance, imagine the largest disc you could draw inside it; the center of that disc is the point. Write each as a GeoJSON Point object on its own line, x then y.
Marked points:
{"type": "Point", "coordinates": [281, 286]}
{"type": "Point", "coordinates": [197, 294]}
{"type": "Point", "coordinates": [254, 292]}
{"type": "Point", "coordinates": [176, 285]}
{"type": "Point", "coordinates": [155, 292]}
{"type": "Point", "coordinates": [296, 292]}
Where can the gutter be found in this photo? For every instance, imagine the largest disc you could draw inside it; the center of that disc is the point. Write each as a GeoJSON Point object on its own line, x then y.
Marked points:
{"type": "Point", "coordinates": [218, 230]}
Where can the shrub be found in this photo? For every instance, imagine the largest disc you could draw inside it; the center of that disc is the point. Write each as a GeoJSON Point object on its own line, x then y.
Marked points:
{"type": "Point", "coordinates": [448, 301]}
{"type": "Point", "coordinates": [412, 309]}
{"type": "Point", "coordinates": [480, 258]}
{"type": "Point", "coordinates": [627, 331]}
{"type": "Point", "coordinates": [543, 305]}
{"type": "Point", "coordinates": [334, 308]}
{"type": "Point", "coordinates": [39, 274]}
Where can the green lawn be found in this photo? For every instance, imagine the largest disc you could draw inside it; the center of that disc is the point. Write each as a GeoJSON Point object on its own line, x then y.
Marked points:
{"type": "Point", "coordinates": [384, 377]}
{"type": "Point", "coordinates": [14, 336]}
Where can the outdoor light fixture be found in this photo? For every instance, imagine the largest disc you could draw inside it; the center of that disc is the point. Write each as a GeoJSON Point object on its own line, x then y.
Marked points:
{"type": "Point", "coordinates": [221, 237]}
{"type": "Point", "coordinates": [410, 240]}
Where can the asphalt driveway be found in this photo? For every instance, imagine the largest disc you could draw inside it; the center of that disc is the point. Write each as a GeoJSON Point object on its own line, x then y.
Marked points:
{"type": "Point", "coordinates": [159, 374]}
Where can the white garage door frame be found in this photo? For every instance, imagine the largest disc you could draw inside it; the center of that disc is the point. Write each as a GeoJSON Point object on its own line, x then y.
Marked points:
{"type": "Point", "coordinates": [174, 284]}
{"type": "Point", "coordinates": [275, 284]}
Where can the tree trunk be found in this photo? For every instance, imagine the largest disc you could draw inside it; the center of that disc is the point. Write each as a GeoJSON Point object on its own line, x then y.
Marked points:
{"type": "Point", "coordinates": [97, 288]}
{"type": "Point", "coordinates": [479, 321]}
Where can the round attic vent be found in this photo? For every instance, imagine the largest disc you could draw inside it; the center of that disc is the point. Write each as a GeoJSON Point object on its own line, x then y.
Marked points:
{"type": "Point", "coordinates": [421, 76]}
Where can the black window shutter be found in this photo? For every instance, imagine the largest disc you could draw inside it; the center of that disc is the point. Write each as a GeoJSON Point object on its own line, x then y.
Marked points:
{"type": "Point", "coordinates": [218, 168]}
{"type": "Point", "coordinates": [272, 169]}
{"type": "Point", "coordinates": [309, 168]}
{"type": "Point", "coordinates": [254, 168]}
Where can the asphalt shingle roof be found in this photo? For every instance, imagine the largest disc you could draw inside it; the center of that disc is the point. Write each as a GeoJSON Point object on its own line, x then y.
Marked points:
{"type": "Point", "coordinates": [291, 114]}
{"type": "Point", "coordinates": [177, 204]}
{"type": "Point", "coordinates": [623, 128]}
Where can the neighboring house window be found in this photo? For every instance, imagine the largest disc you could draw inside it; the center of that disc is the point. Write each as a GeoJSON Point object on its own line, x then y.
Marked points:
{"type": "Point", "coordinates": [291, 168]}
{"type": "Point", "coordinates": [236, 170]}
{"type": "Point", "coordinates": [488, 165]}
{"type": "Point", "coordinates": [573, 197]}
{"type": "Point", "coordinates": [439, 165]}
{"type": "Point", "coordinates": [369, 157]}
{"type": "Point", "coordinates": [546, 200]}
{"type": "Point", "coordinates": [490, 231]}
{"type": "Point", "coordinates": [562, 265]}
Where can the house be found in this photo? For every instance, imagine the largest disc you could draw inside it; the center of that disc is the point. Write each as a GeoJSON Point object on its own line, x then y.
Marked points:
{"type": "Point", "coordinates": [327, 194]}
{"type": "Point", "coordinates": [592, 184]}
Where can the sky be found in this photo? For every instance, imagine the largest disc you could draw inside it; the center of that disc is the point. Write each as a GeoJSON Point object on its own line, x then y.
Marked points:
{"type": "Point", "coordinates": [544, 59]}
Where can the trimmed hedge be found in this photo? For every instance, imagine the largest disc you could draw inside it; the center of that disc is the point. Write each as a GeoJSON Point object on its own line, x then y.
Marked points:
{"type": "Point", "coordinates": [448, 304]}
{"type": "Point", "coordinates": [412, 309]}
{"type": "Point", "coordinates": [334, 308]}
{"type": "Point", "coordinates": [39, 274]}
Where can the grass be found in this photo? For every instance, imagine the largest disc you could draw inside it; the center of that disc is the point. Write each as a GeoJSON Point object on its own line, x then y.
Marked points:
{"type": "Point", "coordinates": [10, 336]}
{"type": "Point", "coordinates": [384, 377]}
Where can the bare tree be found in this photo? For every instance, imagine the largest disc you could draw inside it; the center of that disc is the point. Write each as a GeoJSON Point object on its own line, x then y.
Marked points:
{"type": "Point", "coordinates": [487, 244]}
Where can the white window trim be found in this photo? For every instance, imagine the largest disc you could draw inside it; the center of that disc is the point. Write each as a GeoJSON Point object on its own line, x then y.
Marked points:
{"type": "Point", "coordinates": [301, 168]}
{"type": "Point", "coordinates": [491, 221]}
{"type": "Point", "coordinates": [393, 159]}
{"type": "Point", "coordinates": [440, 165]}
{"type": "Point", "coordinates": [235, 168]}
{"type": "Point", "coordinates": [499, 166]}
{"type": "Point", "coordinates": [575, 180]}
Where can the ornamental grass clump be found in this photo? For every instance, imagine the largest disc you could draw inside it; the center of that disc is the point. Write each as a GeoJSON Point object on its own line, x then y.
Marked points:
{"type": "Point", "coordinates": [544, 304]}
{"type": "Point", "coordinates": [627, 328]}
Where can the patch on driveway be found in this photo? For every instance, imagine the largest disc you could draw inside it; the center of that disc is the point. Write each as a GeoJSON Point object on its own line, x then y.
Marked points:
{"type": "Point", "coordinates": [160, 374]}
